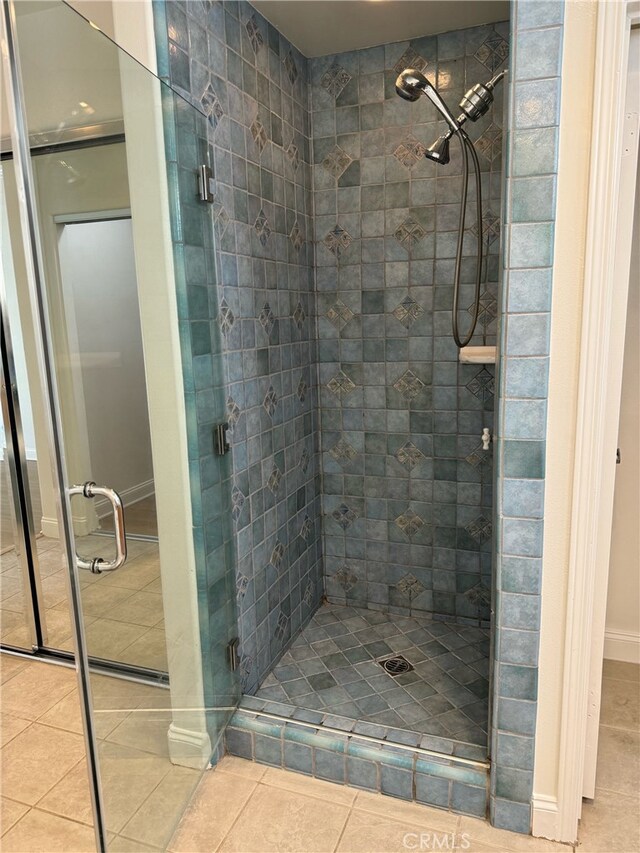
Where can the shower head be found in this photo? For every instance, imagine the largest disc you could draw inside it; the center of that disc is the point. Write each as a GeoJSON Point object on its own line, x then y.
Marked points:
{"type": "Point", "coordinates": [411, 84]}
{"type": "Point", "coordinates": [439, 150]}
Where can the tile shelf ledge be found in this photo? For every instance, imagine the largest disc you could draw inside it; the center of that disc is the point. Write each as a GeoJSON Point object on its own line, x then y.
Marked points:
{"type": "Point", "coordinates": [477, 355]}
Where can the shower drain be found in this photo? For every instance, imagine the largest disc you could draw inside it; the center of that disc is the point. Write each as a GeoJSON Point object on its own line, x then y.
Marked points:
{"type": "Point", "coordinates": [396, 665]}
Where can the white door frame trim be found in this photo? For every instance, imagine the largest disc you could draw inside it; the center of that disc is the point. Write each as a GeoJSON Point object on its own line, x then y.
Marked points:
{"type": "Point", "coordinates": [603, 324]}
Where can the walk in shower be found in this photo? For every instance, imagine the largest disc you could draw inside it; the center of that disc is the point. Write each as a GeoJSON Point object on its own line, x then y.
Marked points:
{"type": "Point", "coordinates": [238, 287]}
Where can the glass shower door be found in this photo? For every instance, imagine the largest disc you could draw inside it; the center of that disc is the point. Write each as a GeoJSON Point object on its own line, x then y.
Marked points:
{"type": "Point", "coordinates": [92, 159]}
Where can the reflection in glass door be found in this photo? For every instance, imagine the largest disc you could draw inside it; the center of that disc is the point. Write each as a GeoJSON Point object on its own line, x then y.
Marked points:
{"type": "Point", "coordinates": [97, 227]}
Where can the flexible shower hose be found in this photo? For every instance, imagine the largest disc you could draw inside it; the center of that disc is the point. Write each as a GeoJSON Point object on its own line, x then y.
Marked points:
{"type": "Point", "coordinates": [465, 146]}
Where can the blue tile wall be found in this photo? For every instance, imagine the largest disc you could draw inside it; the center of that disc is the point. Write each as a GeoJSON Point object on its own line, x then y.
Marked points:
{"type": "Point", "coordinates": [407, 488]}
{"type": "Point", "coordinates": [531, 173]}
{"type": "Point", "coordinates": [252, 85]}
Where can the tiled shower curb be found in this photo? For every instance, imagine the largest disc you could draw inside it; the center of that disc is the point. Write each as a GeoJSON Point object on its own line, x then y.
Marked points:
{"type": "Point", "coordinates": [397, 770]}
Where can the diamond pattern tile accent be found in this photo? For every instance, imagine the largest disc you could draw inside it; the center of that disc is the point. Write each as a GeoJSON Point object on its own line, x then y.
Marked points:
{"type": "Point", "coordinates": [410, 59]}
{"type": "Point", "coordinates": [346, 578]}
{"type": "Point", "coordinates": [409, 233]}
{"type": "Point", "coordinates": [336, 161]}
{"type": "Point", "coordinates": [482, 385]}
{"type": "Point", "coordinates": [237, 502]}
{"type": "Point", "coordinates": [345, 516]}
{"type": "Point", "coordinates": [305, 530]}
{"type": "Point", "coordinates": [489, 143]}
{"type": "Point", "coordinates": [301, 390]}
{"type": "Point", "coordinates": [293, 155]}
{"type": "Point", "coordinates": [262, 228]}
{"type": "Point", "coordinates": [343, 452]}
{"type": "Point", "coordinates": [226, 317]}
{"type": "Point", "coordinates": [266, 318]}
{"type": "Point", "coordinates": [479, 595]}
{"type": "Point", "coordinates": [409, 385]}
{"type": "Point", "coordinates": [290, 67]}
{"type": "Point", "coordinates": [221, 218]}
{"type": "Point", "coordinates": [242, 582]}
{"type": "Point", "coordinates": [336, 656]}
{"type": "Point", "coordinates": [341, 385]}
{"type": "Point", "coordinates": [304, 460]}
{"type": "Point", "coordinates": [277, 555]}
{"type": "Point", "coordinates": [409, 522]}
{"type": "Point", "coordinates": [296, 236]}
{"type": "Point", "coordinates": [334, 79]}
{"type": "Point", "coordinates": [282, 627]}
{"type": "Point", "coordinates": [211, 105]}
{"type": "Point", "coordinates": [407, 312]}
{"type": "Point", "coordinates": [299, 316]}
{"type": "Point", "coordinates": [493, 51]}
{"type": "Point", "coordinates": [259, 134]}
{"type": "Point", "coordinates": [340, 314]}
{"type": "Point", "coordinates": [409, 455]}
{"type": "Point", "coordinates": [233, 412]}
{"type": "Point", "coordinates": [479, 457]}
{"type": "Point", "coordinates": [480, 529]}
{"type": "Point", "coordinates": [253, 31]}
{"type": "Point", "coordinates": [488, 309]}
{"type": "Point", "coordinates": [270, 402]}
{"type": "Point", "coordinates": [338, 240]}
{"type": "Point", "coordinates": [410, 152]}
{"type": "Point", "coordinates": [308, 594]}
{"type": "Point", "coordinates": [275, 478]}
{"type": "Point", "coordinates": [410, 585]}
{"type": "Point", "coordinates": [490, 226]}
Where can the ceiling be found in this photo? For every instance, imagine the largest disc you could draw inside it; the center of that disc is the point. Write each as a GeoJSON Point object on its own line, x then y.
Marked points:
{"type": "Point", "coordinates": [320, 27]}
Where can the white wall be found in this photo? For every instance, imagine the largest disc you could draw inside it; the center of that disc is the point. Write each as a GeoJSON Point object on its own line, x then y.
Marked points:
{"type": "Point", "coordinates": [97, 268]}
{"type": "Point", "coordinates": [622, 638]}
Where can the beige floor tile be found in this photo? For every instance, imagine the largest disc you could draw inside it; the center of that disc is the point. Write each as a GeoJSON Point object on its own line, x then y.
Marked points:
{"type": "Point", "coordinates": [10, 665]}
{"type": "Point", "coordinates": [108, 639]}
{"type": "Point", "coordinates": [610, 824]}
{"type": "Point", "coordinates": [145, 730]}
{"type": "Point", "coordinates": [119, 844]}
{"type": "Point", "coordinates": [10, 813]}
{"type": "Point", "coordinates": [241, 767]}
{"type": "Point", "coordinates": [39, 831]}
{"type": "Point", "coordinates": [620, 704]}
{"type": "Point", "coordinates": [149, 650]}
{"type": "Point", "coordinates": [279, 820]}
{"type": "Point", "coordinates": [366, 832]}
{"type": "Point", "coordinates": [58, 627]}
{"type": "Point", "coordinates": [9, 586]}
{"type": "Point", "coordinates": [405, 812]}
{"type": "Point", "coordinates": [14, 602]}
{"type": "Point", "coordinates": [36, 689]}
{"type": "Point", "coordinates": [618, 766]}
{"type": "Point", "coordinates": [71, 797]}
{"type": "Point", "coordinates": [36, 759]}
{"type": "Point", "coordinates": [10, 726]}
{"type": "Point", "coordinates": [621, 670]}
{"type": "Point", "coordinates": [12, 621]}
{"type": "Point", "coordinates": [157, 818]}
{"type": "Point", "coordinates": [98, 600]}
{"type": "Point", "coordinates": [55, 589]}
{"type": "Point", "coordinates": [139, 573]}
{"type": "Point", "coordinates": [218, 801]}
{"type": "Point", "coordinates": [128, 777]}
{"type": "Point", "coordinates": [330, 791]}
{"type": "Point", "coordinates": [118, 693]}
{"type": "Point", "coordinates": [142, 608]}
{"type": "Point", "coordinates": [66, 715]}
{"type": "Point", "coordinates": [481, 832]}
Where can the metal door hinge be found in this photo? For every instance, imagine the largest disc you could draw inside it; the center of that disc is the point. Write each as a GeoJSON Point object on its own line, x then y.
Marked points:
{"type": "Point", "coordinates": [220, 443]}
{"type": "Point", "coordinates": [232, 653]}
{"type": "Point", "coordinates": [205, 184]}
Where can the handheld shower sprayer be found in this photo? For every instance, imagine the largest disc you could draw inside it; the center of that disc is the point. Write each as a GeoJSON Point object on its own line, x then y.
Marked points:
{"type": "Point", "coordinates": [410, 84]}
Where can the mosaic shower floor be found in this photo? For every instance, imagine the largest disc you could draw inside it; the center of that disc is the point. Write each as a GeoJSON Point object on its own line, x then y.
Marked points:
{"type": "Point", "coordinates": [334, 667]}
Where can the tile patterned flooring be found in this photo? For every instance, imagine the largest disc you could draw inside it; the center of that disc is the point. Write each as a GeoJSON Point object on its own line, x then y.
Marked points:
{"type": "Point", "coordinates": [122, 611]}
{"type": "Point", "coordinates": [333, 667]}
{"type": "Point", "coordinates": [242, 806]}
{"type": "Point", "coordinates": [45, 793]}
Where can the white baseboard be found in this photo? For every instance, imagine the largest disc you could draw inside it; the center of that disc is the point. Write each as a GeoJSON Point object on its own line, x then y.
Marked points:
{"type": "Point", "coordinates": [619, 645]}
{"type": "Point", "coordinates": [128, 497]}
{"type": "Point", "coordinates": [49, 527]}
{"type": "Point", "coordinates": [544, 817]}
{"type": "Point", "coordinates": [188, 748]}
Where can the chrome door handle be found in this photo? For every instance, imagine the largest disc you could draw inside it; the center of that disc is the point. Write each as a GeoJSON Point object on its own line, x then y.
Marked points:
{"type": "Point", "coordinates": [98, 565]}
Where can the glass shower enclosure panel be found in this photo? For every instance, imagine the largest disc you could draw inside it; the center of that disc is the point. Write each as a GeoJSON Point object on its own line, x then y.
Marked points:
{"type": "Point", "coordinates": [113, 209]}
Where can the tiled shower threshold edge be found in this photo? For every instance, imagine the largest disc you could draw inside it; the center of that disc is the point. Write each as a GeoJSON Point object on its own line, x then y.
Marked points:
{"type": "Point", "coordinates": [409, 772]}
